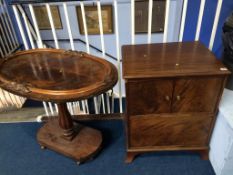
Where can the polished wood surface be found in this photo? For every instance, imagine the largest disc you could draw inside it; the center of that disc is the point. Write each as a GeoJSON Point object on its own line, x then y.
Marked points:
{"type": "Point", "coordinates": [60, 76]}
{"type": "Point", "coordinates": [156, 98]}
{"type": "Point", "coordinates": [169, 129]}
{"type": "Point", "coordinates": [196, 94]}
{"type": "Point", "coordinates": [172, 94]}
{"type": "Point", "coordinates": [170, 60]}
{"type": "Point", "coordinates": [83, 147]}
{"type": "Point", "coordinates": [56, 75]}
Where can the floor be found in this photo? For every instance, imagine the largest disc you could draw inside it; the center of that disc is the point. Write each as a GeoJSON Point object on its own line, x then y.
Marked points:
{"type": "Point", "coordinates": [21, 155]}
{"type": "Point", "coordinates": [25, 114]}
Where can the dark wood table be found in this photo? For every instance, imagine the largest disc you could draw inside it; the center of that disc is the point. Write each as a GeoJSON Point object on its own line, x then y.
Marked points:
{"type": "Point", "coordinates": [60, 76]}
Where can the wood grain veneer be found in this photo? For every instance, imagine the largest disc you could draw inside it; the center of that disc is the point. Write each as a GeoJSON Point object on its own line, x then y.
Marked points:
{"type": "Point", "coordinates": [172, 94]}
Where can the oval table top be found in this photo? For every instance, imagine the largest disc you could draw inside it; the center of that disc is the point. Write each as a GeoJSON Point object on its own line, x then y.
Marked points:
{"type": "Point", "coordinates": [56, 75]}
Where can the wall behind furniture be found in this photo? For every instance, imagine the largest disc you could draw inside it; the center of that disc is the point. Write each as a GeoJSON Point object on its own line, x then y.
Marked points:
{"type": "Point", "coordinates": [125, 26]}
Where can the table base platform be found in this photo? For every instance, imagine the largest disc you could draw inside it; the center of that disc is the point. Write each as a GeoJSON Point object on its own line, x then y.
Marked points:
{"type": "Point", "coordinates": [84, 146]}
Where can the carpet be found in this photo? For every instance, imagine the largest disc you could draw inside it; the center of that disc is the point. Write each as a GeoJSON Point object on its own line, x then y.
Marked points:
{"type": "Point", "coordinates": [21, 155]}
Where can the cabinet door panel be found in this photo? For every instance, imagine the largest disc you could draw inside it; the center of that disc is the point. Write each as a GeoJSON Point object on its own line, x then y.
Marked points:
{"type": "Point", "coordinates": [149, 96]}
{"type": "Point", "coordinates": [166, 130]}
{"type": "Point", "coordinates": [196, 94]}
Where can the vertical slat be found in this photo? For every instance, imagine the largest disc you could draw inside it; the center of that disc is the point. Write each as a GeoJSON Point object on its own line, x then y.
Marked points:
{"type": "Point", "coordinates": [85, 27]}
{"type": "Point", "coordinates": [10, 98]}
{"type": "Point", "coordinates": [71, 39]}
{"type": "Point", "coordinates": [118, 54]}
{"type": "Point", "coordinates": [83, 106]}
{"type": "Point", "coordinates": [6, 28]}
{"type": "Point", "coordinates": [113, 106]}
{"type": "Point", "coordinates": [102, 43]}
{"type": "Point", "coordinates": [18, 101]}
{"type": "Point", "coordinates": [87, 107]}
{"type": "Point", "coordinates": [71, 109]}
{"type": "Point", "coordinates": [101, 28]}
{"type": "Point", "coordinates": [39, 40]}
{"type": "Point", "coordinates": [27, 29]}
{"type": "Point", "coordinates": [31, 29]}
{"type": "Point", "coordinates": [4, 98]}
{"type": "Point", "coordinates": [150, 11]}
{"type": "Point", "coordinates": [9, 19]}
{"type": "Point", "coordinates": [68, 26]}
{"type": "Point", "coordinates": [103, 103]}
{"type": "Point", "coordinates": [56, 108]}
{"type": "Point", "coordinates": [86, 38]}
{"type": "Point", "coordinates": [2, 104]}
{"type": "Point", "coordinates": [45, 108]}
{"type": "Point", "coordinates": [20, 27]}
{"type": "Point", "coordinates": [215, 25]}
{"type": "Point", "coordinates": [55, 40]}
{"type": "Point", "coordinates": [51, 108]}
{"type": "Point", "coordinates": [108, 103]}
{"type": "Point", "coordinates": [165, 35]}
{"type": "Point", "coordinates": [184, 13]}
{"type": "Point", "coordinates": [96, 105]}
{"type": "Point", "coordinates": [5, 39]}
{"type": "Point", "coordinates": [200, 16]}
{"type": "Point", "coordinates": [1, 52]}
{"type": "Point", "coordinates": [3, 47]}
{"type": "Point", "coordinates": [52, 25]}
{"type": "Point", "coordinates": [132, 21]}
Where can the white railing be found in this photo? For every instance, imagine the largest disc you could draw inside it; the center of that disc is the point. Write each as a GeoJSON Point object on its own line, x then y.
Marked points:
{"type": "Point", "coordinates": [34, 35]}
{"type": "Point", "coordinates": [8, 44]}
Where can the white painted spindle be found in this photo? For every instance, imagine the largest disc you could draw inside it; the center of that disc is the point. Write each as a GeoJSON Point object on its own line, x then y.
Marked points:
{"type": "Point", "coordinates": [150, 11]}
{"type": "Point", "coordinates": [68, 26]}
{"type": "Point", "coordinates": [3, 46]}
{"type": "Point", "coordinates": [102, 43]}
{"type": "Point", "coordinates": [20, 27]}
{"type": "Point", "coordinates": [27, 28]}
{"type": "Point", "coordinates": [118, 54]}
{"type": "Point", "coordinates": [4, 36]}
{"type": "Point", "coordinates": [165, 35]}
{"type": "Point", "coordinates": [215, 25]}
{"type": "Point", "coordinates": [52, 25]}
{"type": "Point", "coordinates": [200, 16]}
{"type": "Point", "coordinates": [132, 21]}
{"type": "Point", "coordinates": [85, 26]}
{"type": "Point", "coordinates": [6, 28]}
{"type": "Point", "coordinates": [3, 3]}
{"type": "Point", "coordinates": [184, 13]}
{"type": "Point", "coordinates": [35, 24]}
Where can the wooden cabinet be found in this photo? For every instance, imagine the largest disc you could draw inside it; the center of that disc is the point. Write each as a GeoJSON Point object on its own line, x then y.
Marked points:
{"type": "Point", "coordinates": [172, 94]}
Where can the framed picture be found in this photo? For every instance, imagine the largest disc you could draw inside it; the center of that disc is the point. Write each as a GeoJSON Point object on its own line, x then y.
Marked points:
{"type": "Point", "coordinates": [141, 16]}
{"type": "Point", "coordinates": [92, 19]}
{"type": "Point", "coordinates": [43, 19]}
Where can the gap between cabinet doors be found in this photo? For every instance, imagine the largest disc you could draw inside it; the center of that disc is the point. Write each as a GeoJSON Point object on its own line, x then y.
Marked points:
{"type": "Point", "coordinates": [173, 95]}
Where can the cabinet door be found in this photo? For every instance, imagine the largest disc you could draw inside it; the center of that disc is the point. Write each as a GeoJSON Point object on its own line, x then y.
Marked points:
{"type": "Point", "coordinates": [196, 94]}
{"type": "Point", "coordinates": [149, 96]}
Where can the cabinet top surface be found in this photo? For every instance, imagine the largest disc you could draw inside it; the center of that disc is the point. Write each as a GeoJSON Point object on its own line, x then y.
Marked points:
{"type": "Point", "coordinates": [169, 60]}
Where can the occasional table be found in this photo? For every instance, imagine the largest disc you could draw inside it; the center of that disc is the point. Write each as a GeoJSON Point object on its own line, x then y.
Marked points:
{"type": "Point", "coordinates": [60, 76]}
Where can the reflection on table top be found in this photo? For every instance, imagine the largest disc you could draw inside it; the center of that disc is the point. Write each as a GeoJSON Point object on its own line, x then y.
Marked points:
{"type": "Point", "coordinates": [51, 71]}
